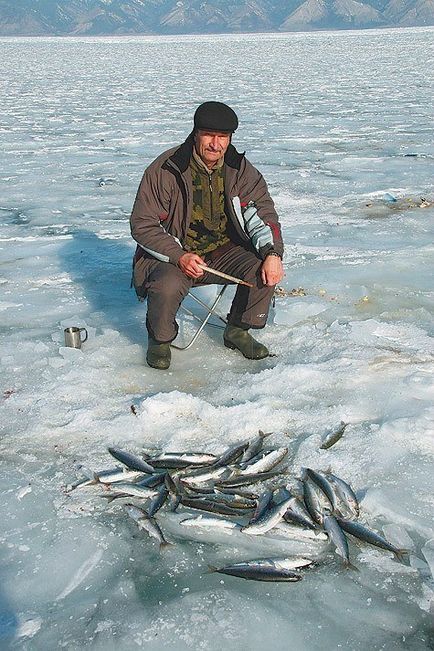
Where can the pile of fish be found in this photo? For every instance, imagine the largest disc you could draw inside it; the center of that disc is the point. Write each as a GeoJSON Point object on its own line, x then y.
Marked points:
{"type": "Point", "coordinates": [215, 486]}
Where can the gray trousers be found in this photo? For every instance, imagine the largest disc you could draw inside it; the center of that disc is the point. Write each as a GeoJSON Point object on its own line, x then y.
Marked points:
{"type": "Point", "coordinates": [166, 286]}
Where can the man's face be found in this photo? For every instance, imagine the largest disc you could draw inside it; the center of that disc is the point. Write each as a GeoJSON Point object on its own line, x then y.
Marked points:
{"type": "Point", "coordinates": [211, 146]}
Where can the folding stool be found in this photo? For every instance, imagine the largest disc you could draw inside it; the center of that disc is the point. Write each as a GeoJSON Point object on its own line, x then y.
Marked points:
{"type": "Point", "coordinates": [211, 311]}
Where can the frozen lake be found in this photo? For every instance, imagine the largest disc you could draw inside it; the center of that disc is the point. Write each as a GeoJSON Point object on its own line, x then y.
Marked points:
{"type": "Point", "coordinates": [341, 125]}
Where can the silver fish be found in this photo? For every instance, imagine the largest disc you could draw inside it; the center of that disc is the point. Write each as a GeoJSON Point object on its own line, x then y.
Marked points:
{"type": "Point", "coordinates": [203, 477]}
{"type": "Point", "coordinates": [202, 521]}
{"type": "Point", "coordinates": [236, 501]}
{"type": "Point", "coordinates": [231, 454]}
{"type": "Point", "coordinates": [267, 520]}
{"type": "Point", "coordinates": [286, 563]}
{"type": "Point", "coordinates": [118, 474]}
{"type": "Point", "coordinates": [345, 493]}
{"type": "Point", "coordinates": [248, 495]}
{"type": "Point", "coordinates": [245, 480]}
{"type": "Point", "coordinates": [333, 436]}
{"type": "Point", "coordinates": [338, 538]}
{"type": "Point", "coordinates": [133, 490]}
{"type": "Point", "coordinates": [157, 501]}
{"type": "Point", "coordinates": [323, 484]}
{"type": "Point", "coordinates": [254, 447]}
{"type": "Point", "coordinates": [363, 533]}
{"type": "Point", "coordinates": [211, 507]}
{"type": "Point", "coordinates": [267, 463]}
{"type": "Point", "coordinates": [258, 572]}
{"type": "Point", "coordinates": [152, 481]}
{"type": "Point", "coordinates": [312, 499]}
{"type": "Point", "coordinates": [298, 514]}
{"type": "Point", "coordinates": [132, 461]}
{"type": "Point", "coordinates": [182, 459]}
{"type": "Point", "coordinates": [263, 504]}
{"type": "Point", "coordinates": [150, 525]}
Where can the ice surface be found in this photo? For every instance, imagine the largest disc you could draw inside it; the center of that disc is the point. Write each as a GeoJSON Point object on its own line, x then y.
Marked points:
{"type": "Point", "coordinates": [336, 122]}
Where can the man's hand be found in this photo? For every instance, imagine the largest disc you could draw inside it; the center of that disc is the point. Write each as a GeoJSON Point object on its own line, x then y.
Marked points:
{"type": "Point", "coordinates": [272, 270]}
{"type": "Point", "coordinates": [188, 263]}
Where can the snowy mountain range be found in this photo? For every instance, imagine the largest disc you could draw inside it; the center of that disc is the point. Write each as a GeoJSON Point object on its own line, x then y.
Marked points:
{"type": "Point", "coordinates": [105, 17]}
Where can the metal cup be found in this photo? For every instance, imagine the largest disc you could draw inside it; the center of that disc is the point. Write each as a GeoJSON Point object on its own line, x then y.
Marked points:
{"type": "Point", "coordinates": [73, 337]}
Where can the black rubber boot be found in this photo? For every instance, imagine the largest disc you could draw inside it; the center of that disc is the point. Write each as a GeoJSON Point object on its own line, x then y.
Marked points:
{"type": "Point", "coordinates": [240, 339]}
{"type": "Point", "coordinates": [158, 355]}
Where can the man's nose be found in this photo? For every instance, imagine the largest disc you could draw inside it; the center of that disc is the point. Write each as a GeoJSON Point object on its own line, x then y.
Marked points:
{"type": "Point", "coordinates": [215, 142]}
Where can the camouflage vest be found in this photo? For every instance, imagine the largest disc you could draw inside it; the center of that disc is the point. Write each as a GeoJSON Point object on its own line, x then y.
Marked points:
{"type": "Point", "coordinates": [209, 223]}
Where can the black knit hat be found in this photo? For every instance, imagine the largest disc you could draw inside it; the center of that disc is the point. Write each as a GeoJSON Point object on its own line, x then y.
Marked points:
{"type": "Point", "coordinates": [215, 116]}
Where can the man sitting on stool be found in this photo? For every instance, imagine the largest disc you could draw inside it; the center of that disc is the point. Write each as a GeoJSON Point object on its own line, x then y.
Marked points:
{"type": "Point", "coordinates": [204, 203]}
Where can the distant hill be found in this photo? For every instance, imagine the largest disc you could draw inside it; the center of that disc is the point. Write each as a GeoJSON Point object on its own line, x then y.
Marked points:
{"type": "Point", "coordinates": [111, 17]}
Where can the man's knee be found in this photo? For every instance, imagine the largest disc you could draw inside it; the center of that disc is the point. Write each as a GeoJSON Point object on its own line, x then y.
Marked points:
{"type": "Point", "coordinates": [169, 282]}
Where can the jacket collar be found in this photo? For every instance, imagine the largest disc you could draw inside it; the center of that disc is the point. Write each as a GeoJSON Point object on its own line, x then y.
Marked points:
{"type": "Point", "coordinates": [182, 155]}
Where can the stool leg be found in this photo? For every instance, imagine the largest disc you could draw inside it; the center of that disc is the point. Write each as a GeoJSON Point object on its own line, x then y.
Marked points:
{"type": "Point", "coordinates": [205, 320]}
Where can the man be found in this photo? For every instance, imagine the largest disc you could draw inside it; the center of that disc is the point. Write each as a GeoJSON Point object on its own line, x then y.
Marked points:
{"type": "Point", "coordinates": [204, 203]}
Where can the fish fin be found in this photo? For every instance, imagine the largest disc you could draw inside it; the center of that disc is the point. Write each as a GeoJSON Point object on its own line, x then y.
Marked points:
{"type": "Point", "coordinates": [109, 497]}
{"type": "Point", "coordinates": [264, 435]}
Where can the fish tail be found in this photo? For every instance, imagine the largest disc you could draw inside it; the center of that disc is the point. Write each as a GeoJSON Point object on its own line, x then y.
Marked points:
{"type": "Point", "coordinates": [164, 545]}
{"type": "Point", "coordinates": [402, 555]}
{"type": "Point", "coordinates": [211, 569]}
{"type": "Point", "coordinates": [350, 566]}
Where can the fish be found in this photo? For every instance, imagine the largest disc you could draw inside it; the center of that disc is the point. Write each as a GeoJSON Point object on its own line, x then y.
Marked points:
{"type": "Point", "coordinates": [267, 462]}
{"type": "Point", "coordinates": [178, 460]}
{"type": "Point", "coordinates": [254, 446]}
{"type": "Point", "coordinates": [333, 436]}
{"type": "Point", "coordinates": [237, 491]}
{"type": "Point", "coordinates": [157, 501]}
{"type": "Point", "coordinates": [107, 477]}
{"type": "Point", "coordinates": [201, 490]}
{"type": "Point", "coordinates": [345, 493]}
{"type": "Point", "coordinates": [202, 477]}
{"type": "Point", "coordinates": [150, 525]}
{"type": "Point", "coordinates": [367, 535]}
{"type": "Point", "coordinates": [267, 520]}
{"type": "Point", "coordinates": [291, 563]}
{"type": "Point", "coordinates": [152, 481]}
{"type": "Point", "coordinates": [172, 483]}
{"type": "Point", "coordinates": [122, 474]}
{"type": "Point", "coordinates": [313, 502]}
{"type": "Point", "coordinates": [132, 461]}
{"type": "Point", "coordinates": [211, 507]}
{"type": "Point", "coordinates": [298, 514]}
{"type": "Point", "coordinates": [255, 571]}
{"type": "Point", "coordinates": [323, 484]}
{"type": "Point", "coordinates": [82, 483]}
{"type": "Point", "coordinates": [209, 522]}
{"type": "Point", "coordinates": [338, 538]}
{"type": "Point", "coordinates": [245, 480]}
{"type": "Point", "coordinates": [235, 501]}
{"type": "Point", "coordinates": [231, 454]}
{"type": "Point", "coordinates": [263, 504]}
{"type": "Point", "coordinates": [133, 490]}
